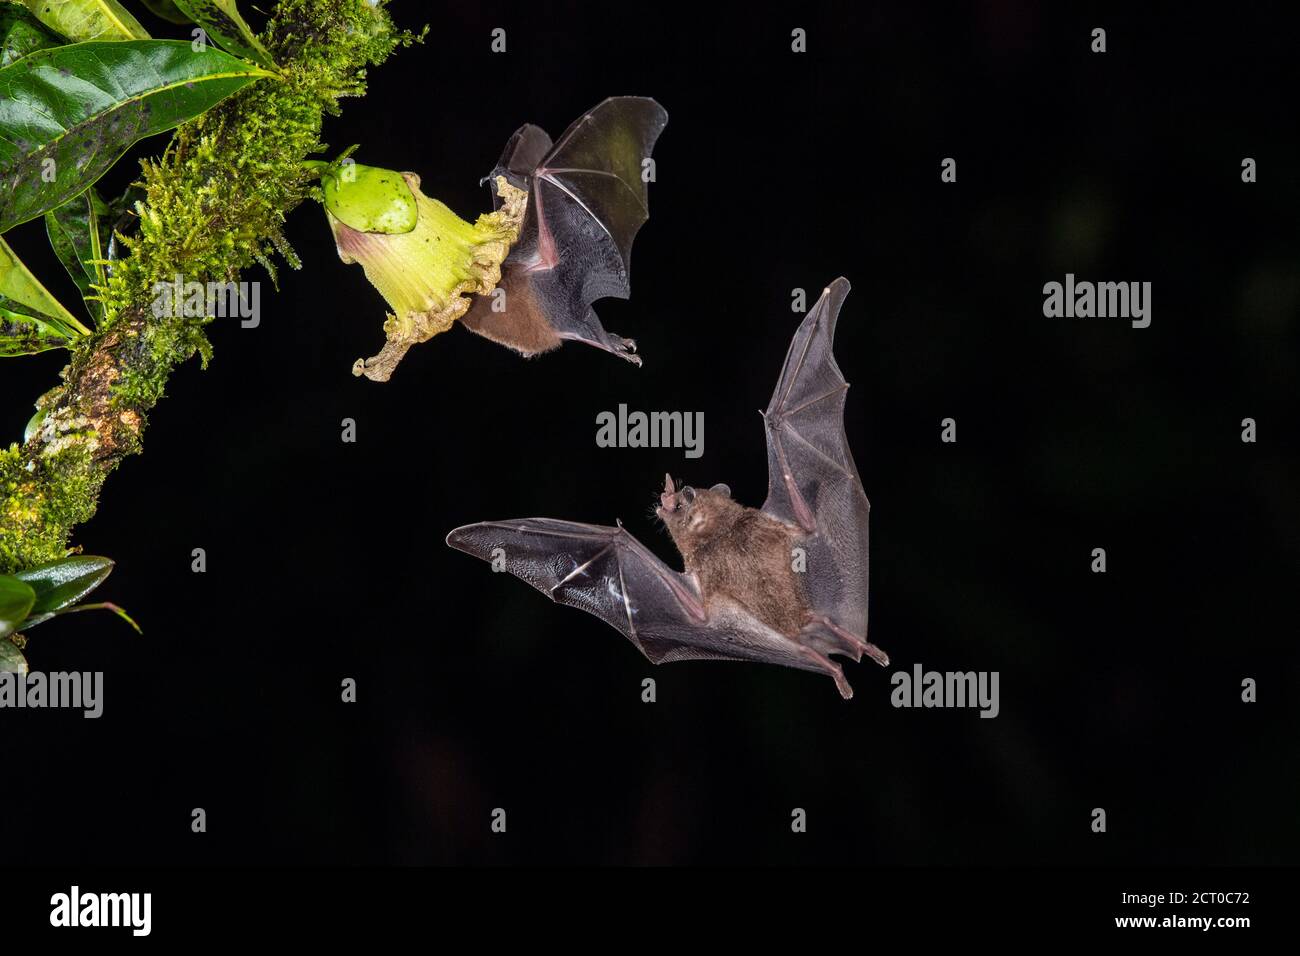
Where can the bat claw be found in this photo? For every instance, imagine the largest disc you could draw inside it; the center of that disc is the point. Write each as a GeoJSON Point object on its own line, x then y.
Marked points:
{"type": "Point", "coordinates": [877, 655]}
{"type": "Point", "coordinates": [625, 349]}
{"type": "Point", "coordinates": [842, 685]}
{"type": "Point", "coordinates": [613, 344]}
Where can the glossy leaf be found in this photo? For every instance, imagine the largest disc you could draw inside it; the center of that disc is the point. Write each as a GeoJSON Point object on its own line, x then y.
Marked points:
{"type": "Point", "coordinates": [68, 113]}
{"type": "Point", "coordinates": [21, 33]}
{"type": "Point", "coordinates": [11, 658]}
{"type": "Point", "coordinates": [60, 584]}
{"type": "Point", "coordinates": [16, 599]}
{"type": "Point", "coordinates": [79, 231]}
{"type": "Point", "coordinates": [88, 19]}
{"type": "Point", "coordinates": [221, 20]}
{"type": "Point", "coordinates": [21, 292]}
{"type": "Point", "coordinates": [31, 320]}
{"type": "Point", "coordinates": [167, 10]}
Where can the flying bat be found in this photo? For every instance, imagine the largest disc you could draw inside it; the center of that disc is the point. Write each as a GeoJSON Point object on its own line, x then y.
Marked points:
{"type": "Point", "coordinates": [587, 198]}
{"type": "Point", "coordinates": [785, 584]}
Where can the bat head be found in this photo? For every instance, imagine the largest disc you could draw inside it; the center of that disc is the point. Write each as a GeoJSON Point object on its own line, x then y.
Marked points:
{"type": "Point", "coordinates": [693, 515]}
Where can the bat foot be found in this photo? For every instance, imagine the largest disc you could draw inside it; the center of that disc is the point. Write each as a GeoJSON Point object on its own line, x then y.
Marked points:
{"type": "Point", "coordinates": [608, 342]}
{"type": "Point", "coordinates": [820, 662]}
{"type": "Point", "coordinates": [823, 633]}
{"type": "Point", "coordinates": [624, 349]}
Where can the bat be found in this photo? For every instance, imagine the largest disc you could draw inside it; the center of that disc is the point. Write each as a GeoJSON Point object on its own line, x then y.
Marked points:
{"type": "Point", "coordinates": [587, 199]}
{"type": "Point", "coordinates": [785, 584]}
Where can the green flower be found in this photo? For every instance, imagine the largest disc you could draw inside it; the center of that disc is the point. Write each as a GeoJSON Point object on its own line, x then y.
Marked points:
{"type": "Point", "coordinates": [423, 258]}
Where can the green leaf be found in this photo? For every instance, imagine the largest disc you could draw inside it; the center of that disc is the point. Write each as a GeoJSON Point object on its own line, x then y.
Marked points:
{"type": "Point", "coordinates": [35, 619]}
{"type": "Point", "coordinates": [103, 606]}
{"type": "Point", "coordinates": [60, 584]}
{"type": "Point", "coordinates": [79, 232]}
{"type": "Point", "coordinates": [22, 334]}
{"type": "Point", "coordinates": [88, 19]}
{"type": "Point", "coordinates": [221, 19]}
{"type": "Point", "coordinates": [67, 114]}
{"type": "Point", "coordinates": [11, 658]}
{"type": "Point", "coordinates": [31, 320]}
{"type": "Point", "coordinates": [168, 10]}
{"type": "Point", "coordinates": [16, 599]}
{"type": "Point", "coordinates": [21, 33]}
{"type": "Point", "coordinates": [21, 292]}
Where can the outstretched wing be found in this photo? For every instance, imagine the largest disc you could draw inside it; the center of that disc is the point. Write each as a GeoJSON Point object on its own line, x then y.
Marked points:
{"type": "Point", "coordinates": [812, 480]}
{"type": "Point", "coordinates": [587, 199]}
{"type": "Point", "coordinates": [608, 573]}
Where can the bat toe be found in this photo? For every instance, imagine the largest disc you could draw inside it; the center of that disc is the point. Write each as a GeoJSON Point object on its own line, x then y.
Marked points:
{"type": "Point", "coordinates": [843, 686]}
{"type": "Point", "coordinates": [625, 349]}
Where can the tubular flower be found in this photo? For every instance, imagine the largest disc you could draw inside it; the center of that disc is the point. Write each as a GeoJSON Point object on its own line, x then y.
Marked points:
{"type": "Point", "coordinates": [423, 258]}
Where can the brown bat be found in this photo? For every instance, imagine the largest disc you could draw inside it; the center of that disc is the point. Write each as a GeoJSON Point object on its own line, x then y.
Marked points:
{"type": "Point", "coordinates": [785, 585]}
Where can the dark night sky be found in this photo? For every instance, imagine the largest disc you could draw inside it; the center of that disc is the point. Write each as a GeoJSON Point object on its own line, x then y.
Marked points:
{"type": "Point", "coordinates": [326, 560]}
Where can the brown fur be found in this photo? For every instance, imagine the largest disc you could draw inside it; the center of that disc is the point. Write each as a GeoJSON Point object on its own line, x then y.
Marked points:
{"type": "Point", "coordinates": [738, 553]}
{"type": "Point", "coordinates": [522, 326]}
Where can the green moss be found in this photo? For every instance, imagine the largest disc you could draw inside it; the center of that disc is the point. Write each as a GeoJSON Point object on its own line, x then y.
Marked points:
{"type": "Point", "coordinates": [41, 501]}
{"type": "Point", "coordinates": [216, 201]}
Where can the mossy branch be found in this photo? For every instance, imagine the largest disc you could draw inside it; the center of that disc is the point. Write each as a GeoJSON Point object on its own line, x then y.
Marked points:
{"type": "Point", "coordinates": [215, 204]}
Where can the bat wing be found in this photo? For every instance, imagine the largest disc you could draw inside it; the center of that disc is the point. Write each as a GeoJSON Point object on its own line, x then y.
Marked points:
{"type": "Point", "coordinates": [586, 202]}
{"type": "Point", "coordinates": [608, 573]}
{"type": "Point", "coordinates": [524, 152]}
{"type": "Point", "coordinates": [812, 480]}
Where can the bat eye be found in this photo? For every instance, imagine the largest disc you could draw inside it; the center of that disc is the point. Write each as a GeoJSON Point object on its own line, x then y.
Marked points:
{"type": "Point", "coordinates": [689, 494]}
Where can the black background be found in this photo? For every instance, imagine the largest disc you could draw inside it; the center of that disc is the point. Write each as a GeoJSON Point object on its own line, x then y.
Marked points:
{"type": "Point", "coordinates": [326, 560]}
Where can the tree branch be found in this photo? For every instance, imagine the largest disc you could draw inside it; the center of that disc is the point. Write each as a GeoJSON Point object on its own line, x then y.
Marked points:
{"type": "Point", "coordinates": [215, 204]}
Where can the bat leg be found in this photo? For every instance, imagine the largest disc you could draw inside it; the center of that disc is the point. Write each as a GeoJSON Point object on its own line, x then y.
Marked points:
{"type": "Point", "coordinates": [825, 635]}
{"type": "Point", "coordinates": [591, 332]}
{"type": "Point", "coordinates": [820, 662]}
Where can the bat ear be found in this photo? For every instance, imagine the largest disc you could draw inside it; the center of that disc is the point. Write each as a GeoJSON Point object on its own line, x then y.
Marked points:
{"type": "Point", "coordinates": [722, 488]}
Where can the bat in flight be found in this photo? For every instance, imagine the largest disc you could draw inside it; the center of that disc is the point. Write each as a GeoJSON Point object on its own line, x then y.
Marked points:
{"type": "Point", "coordinates": [785, 584]}
{"type": "Point", "coordinates": [587, 198]}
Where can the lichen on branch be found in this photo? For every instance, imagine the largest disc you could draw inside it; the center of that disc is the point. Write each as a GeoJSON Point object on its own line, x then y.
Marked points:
{"type": "Point", "coordinates": [215, 203]}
